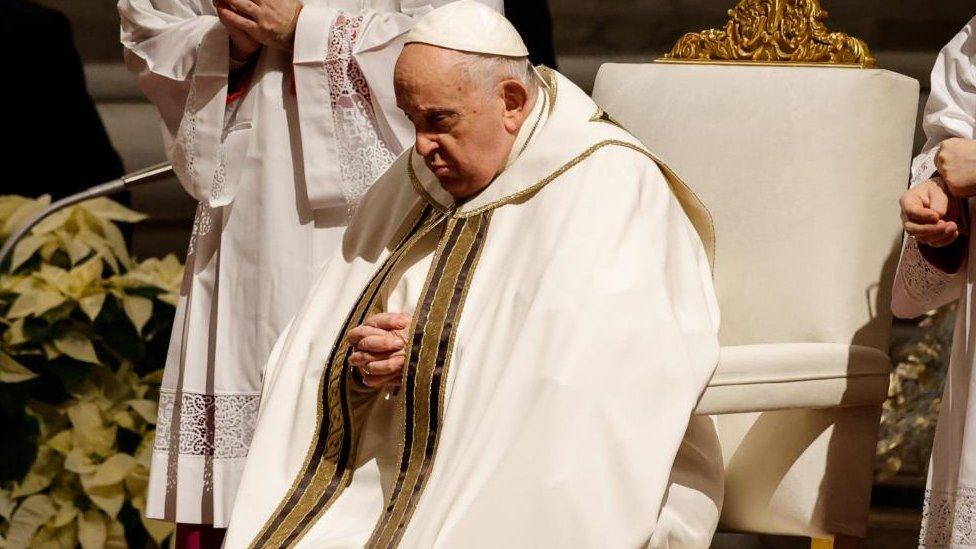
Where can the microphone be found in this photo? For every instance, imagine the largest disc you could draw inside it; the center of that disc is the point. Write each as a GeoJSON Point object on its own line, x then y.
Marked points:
{"type": "Point", "coordinates": [128, 181]}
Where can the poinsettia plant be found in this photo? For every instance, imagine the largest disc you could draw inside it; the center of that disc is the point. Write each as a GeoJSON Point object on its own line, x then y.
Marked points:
{"type": "Point", "coordinates": [911, 411]}
{"type": "Point", "coordinates": [84, 334]}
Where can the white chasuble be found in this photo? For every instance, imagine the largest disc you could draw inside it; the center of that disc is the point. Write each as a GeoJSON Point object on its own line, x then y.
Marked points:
{"type": "Point", "coordinates": [949, 513]}
{"type": "Point", "coordinates": [277, 167]}
{"type": "Point", "coordinates": [562, 334]}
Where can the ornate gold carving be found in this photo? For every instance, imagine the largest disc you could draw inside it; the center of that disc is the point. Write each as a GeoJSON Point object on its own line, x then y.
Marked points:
{"type": "Point", "coordinates": [773, 31]}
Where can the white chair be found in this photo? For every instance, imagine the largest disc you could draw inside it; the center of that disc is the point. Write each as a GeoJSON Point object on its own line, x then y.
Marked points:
{"type": "Point", "coordinates": [801, 168]}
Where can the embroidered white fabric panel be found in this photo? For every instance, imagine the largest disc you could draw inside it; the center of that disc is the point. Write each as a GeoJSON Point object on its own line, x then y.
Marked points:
{"type": "Point", "coordinates": [949, 518]}
{"type": "Point", "coordinates": [922, 281]}
{"type": "Point", "coordinates": [210, 425]}
{"type": "Point", "coordinates": [363, 154]}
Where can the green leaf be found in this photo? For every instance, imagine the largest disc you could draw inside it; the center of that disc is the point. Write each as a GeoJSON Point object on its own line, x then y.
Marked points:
{"type": "Point", "coordinates": [158, 530]}
{"type": "Point", "coordinates": [61, 442]}
{"type": "Point", "coordinates": [79, 463]}
{"type": "Point", "coordinates": [153, 378]}
{"type": "Point", "coordinates": [113, 470]}
{"type": "Point", "coordinates": [92, 530]}
{"type": "Point", "coordinates": [116, 536]}
{"type": "Point", "coordinates": [138, 309]}
{"type": "Point", "coordinates": [66, 514]}
{"type": "Point", "coordinates": [77, 250]}
{"type": "Point", "coordinates": [77, 346]}
{"type": "Point", "coordinates": [53, 221]}
{"type": "Point", "coordinates": [15, 333]}
{"type": "Point", "coordinates": [55, 276]}
{"type": "Point", "coordinates": [15, 211]}
{"type": "Point", "coordinates": [12, 371]}
{"type": "Point", "coordinates": [116, 242]}
{"type": "Point", "coordinates": [124, 419]}
{"type": "Point", "coordinates": [49, 537]}
{"type": "Point", "coordinates": [85, 275]}
{"type": "Point", "coordinates": [25, 249]}
{"type": "Point", "coordinates": [145, 408]}
{"type": "Point", "coordinates": [35, 303]}
{"type": "Point", "coordinates": [29, 516]}
{"type": "Point", "coordinates": [90, 433]}
{"type": "Point", "coordinates": [108, 498]}
{"type": "Point", "coordinates": [92, 305]}
{"type": "Point", "coordinates": [6, 505]}
{"type": "Point", "coordinates": [101, 247]}
{"type": "Point", "coordinates": [45, 468]}
{"type": "Point", "coordinates": [111, 210]}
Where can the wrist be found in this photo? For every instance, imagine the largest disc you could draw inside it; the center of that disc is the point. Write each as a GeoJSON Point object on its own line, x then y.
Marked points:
{"type": "Point", "coordinates": [287, 41]}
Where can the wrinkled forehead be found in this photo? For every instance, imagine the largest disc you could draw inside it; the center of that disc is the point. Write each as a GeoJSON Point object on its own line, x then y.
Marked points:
{"type": "Point", "coordinates": [426, 74]}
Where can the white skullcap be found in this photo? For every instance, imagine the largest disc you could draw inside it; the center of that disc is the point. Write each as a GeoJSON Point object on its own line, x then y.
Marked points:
{"type": "Point", "coordinates": [470, 26]}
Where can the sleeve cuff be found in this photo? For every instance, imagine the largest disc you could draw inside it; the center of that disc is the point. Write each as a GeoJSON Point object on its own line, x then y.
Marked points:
{"type": "Point", "coordinates": [312, 34]}
{"type": "Point", "coordinates": [923, 167]}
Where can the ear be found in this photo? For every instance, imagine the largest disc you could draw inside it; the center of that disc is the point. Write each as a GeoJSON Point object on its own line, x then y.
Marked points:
{"type": "Point", "coordinates": [516, 100]}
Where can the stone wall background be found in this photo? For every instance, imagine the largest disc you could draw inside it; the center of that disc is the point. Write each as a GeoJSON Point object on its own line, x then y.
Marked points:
{"type": "Point", "coordinates": [632, 26]}
{"type": "Point", "coordinates": [905, 35]}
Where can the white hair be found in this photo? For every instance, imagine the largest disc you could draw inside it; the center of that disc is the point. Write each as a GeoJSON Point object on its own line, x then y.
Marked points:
{"type": "Point", "coordinates": [486, 71]}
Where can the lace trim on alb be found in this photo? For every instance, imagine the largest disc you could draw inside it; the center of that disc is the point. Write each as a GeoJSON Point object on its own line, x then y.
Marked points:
{"type": "Point", "coordinates": [362, 154]}
{"type": "Point", "coordinates": [210, 425]}
{"type": "Point", "coordinates": [923, 281]}
{"type": "Point", "coordinates": [949, 519]}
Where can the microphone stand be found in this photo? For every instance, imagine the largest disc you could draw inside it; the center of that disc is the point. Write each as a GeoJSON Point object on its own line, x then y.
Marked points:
{"type": "Point", "coordinates": [128, 181]}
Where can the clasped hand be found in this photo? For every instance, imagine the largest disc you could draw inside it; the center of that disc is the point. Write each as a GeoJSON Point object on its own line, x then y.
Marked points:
{"type": "Point", "coordinates": [956, 162]}
{"type": "Point", "coordinates": [253, 23]}
{"type": "Point", "coordinates": [929, 210]}
{"type": "Point", "coordinates": [929, 214]}
{"type": "Point", "coordinates": [379, 348]}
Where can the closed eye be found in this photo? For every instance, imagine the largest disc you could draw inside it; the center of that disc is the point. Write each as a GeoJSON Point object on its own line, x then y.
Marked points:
{"type": "Point", "coordinates": [441, 120]}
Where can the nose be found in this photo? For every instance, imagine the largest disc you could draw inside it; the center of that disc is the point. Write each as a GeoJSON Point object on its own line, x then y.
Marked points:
{"type": "Point", "coordinates": [425, 145]}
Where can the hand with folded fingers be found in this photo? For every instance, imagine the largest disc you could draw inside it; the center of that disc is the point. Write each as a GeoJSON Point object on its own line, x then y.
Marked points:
{"type": "Point", "coordinates": [956, 162]}
{"type": "Point", "coordinates": [379, 345]}
{"type": "Point", "coordinates": [252, 23]}
{"type": "Point", "coordinates": [930, 214]}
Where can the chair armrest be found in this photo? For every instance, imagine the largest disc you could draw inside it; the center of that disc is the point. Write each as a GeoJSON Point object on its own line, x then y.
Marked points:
{"type": "Point", "coordinates": [784, 376]}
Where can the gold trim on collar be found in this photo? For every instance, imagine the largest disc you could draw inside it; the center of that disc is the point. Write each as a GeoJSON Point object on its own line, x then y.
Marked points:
{"type": "Point", "coordinates": [694, 208]}
{"type": "Point", "coordinates": [419, 187]}
{"type": "Point", "coordinates": [551, 86]}
{"type": "Point", "coordinates": [603, 116]}
{"type": "Point", "coordinates": [342, 405]}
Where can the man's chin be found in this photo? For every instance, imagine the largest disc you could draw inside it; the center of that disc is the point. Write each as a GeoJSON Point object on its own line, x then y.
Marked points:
{"type": "Point", "coordinates": [449, 180]}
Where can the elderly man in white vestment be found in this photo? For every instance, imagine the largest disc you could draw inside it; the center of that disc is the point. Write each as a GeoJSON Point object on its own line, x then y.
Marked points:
{"type": "Point", "coordinates": [278, 117]}
{"type": "Point", "coordinates": [935, 269]}
{"type": "Point", "coordinates": [507, 350]}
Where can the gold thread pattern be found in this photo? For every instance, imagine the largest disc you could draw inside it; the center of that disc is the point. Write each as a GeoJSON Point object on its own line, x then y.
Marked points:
{"type": "Point", "coordinates": [326, 469]}
{"type": "Point", "coordinates": [778, 31]}
{"type": "Point", "coordinates": [602, 116]}
{"type": "Point", "coordinates": [694, 208]}
{"type": "Point", "coordinates": [425, 374]}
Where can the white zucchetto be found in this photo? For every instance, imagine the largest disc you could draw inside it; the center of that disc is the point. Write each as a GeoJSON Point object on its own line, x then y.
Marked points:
{"type": "Point", "coordinates": [469, 26]}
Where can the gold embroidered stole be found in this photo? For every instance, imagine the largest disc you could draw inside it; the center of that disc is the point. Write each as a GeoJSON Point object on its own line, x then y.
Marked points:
{"type": "Point", "coordinates": [343, 401]}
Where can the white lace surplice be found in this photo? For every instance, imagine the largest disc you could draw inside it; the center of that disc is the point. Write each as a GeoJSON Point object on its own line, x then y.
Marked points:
{"type": "Point", "coordinates": [949, 515]}
{"type": "Point", "coordinates": [277, 173]}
